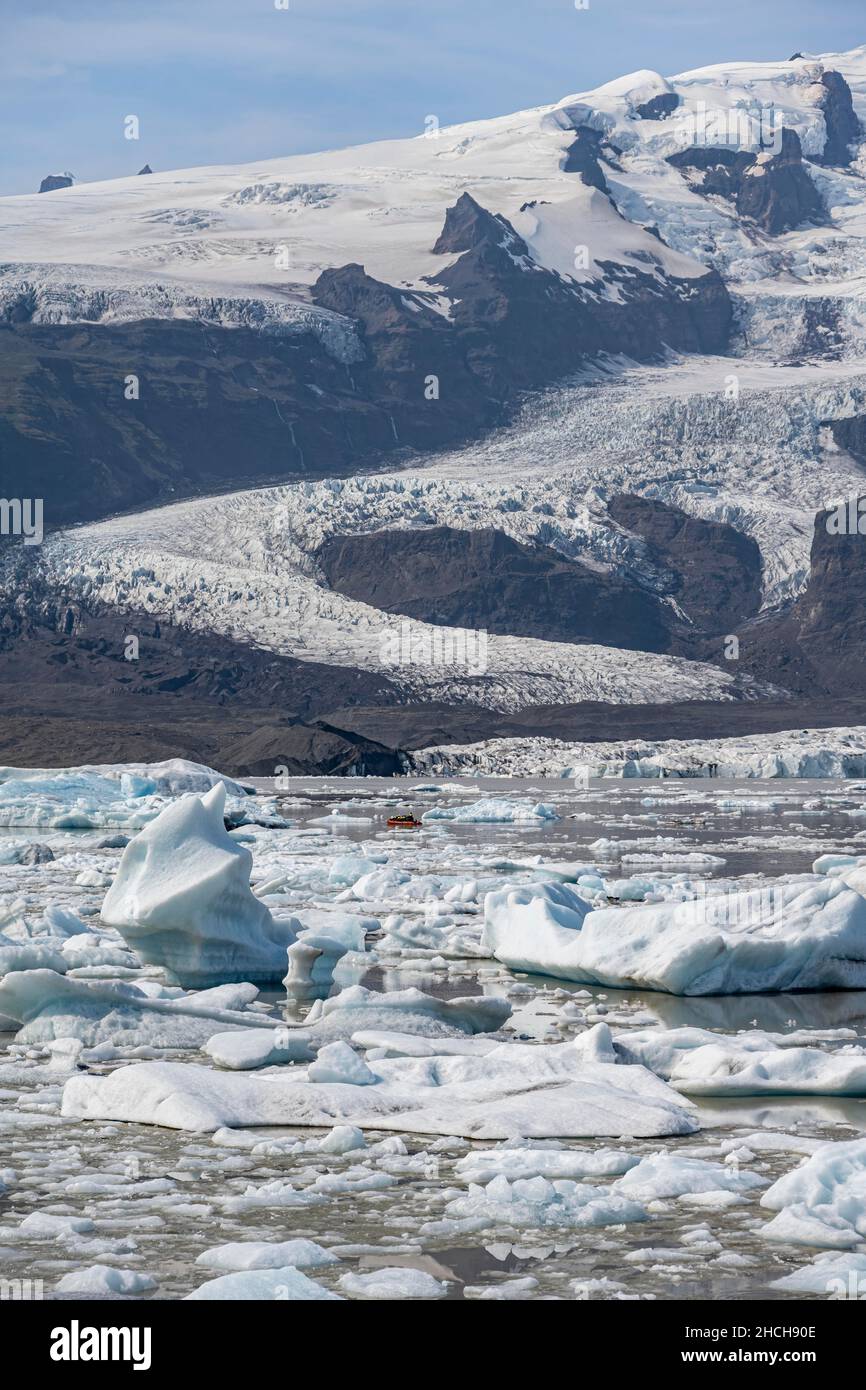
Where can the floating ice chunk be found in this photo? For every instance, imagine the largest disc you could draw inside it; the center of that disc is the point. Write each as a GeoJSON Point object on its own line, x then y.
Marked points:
{"type": "Point", "coordinates": [287, 1285]}
{"type": "Point", "coordinates": [483, 1165]}
{"type": "Point", "coordinates": [833, 1276]}
{"type": "Point", "coordinates": [493, 810]}
{"type": "Point", "coordinates": [700, 1063]}
{"type": "Point", "coordinates": [793, 936]}
{"type": "Point", "coordinates": [343, 1139]}
{"type": "Point", "coordinates": [337, 1061]}
{"type": "Point", "coordinates": [353, 1010]}
{"type": "Point", "coordinates": [668, 1175]}
{"type": "Point", "coordinates": [535, 1202]}
{"type": "Point", "coordinates": [348, 868]}
{"type": "Point", "coordinates": [379, 884]}
{"type": "Point", "coordinates": [110, 795]}
{"type": "Point", "coordinates": [50, 1006]}
{"type": "Point", "coordinates": [393, 1283]}
{"type": "Point", "coordinates": [384, 1044]}
{"type": "Point", "coordinates": [102, 1280]}
{"type": "Point", "coordinates": [823, 1202]}
{"type": "Point", "coordinates": [515, 1090]}
{"type": "Point", "coordinates": [261, 1254]}
{"type": "Point", "coordinates": [30, 955]}
{"type": "Point", "coordinates": [313, 958]}
{"type": "Point", "coordinates": [526, 927]}
{"type": "Point", "coordinates": [182, 900]}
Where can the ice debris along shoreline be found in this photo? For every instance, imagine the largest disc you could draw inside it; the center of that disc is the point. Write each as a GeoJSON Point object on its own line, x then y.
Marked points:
{"type": "Point", "coordinates": [800, 753]}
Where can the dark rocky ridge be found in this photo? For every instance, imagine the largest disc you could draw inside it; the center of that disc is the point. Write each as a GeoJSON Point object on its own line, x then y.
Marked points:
{"type": "Point", "coordinates": [222, 408]}
{"type": "Point", "coordinates": [774, 191]}
{"type": "Point", "coordinates": [520, 325]}
{"type": "Point", "coordinates": [483, 579]}
{"type": "Point", "coordinates": [54, 181]}
{"type": "Point", "coordinates": [843, 128]}
{"type": "Point", "coordinates": [658, 108]}
{"type": "Point", "coordinates": [583, 156]}
{"type": "Point", "coordinates": [717, 568]}
{"type": "Point", "coordinates": [817, 647]}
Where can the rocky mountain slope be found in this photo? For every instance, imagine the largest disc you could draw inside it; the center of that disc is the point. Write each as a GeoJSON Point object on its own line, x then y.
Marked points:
{"type": "Point", "coordinates": [407, 375]}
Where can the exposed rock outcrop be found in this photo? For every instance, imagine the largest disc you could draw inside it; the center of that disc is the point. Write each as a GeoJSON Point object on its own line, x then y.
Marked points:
{"type": "Point", "coordinates": [54, 181]}
{"type": "Point", "coordinates": [843, 128]}
{"type": "Point", "coordinates": [773, 190]}
{"type": "Point", "coordinates": [483, 579]}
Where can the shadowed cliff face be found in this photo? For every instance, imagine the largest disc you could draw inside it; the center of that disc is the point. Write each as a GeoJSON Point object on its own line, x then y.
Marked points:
{"type": "Point", "coordinates": [818, 645]}
{"type": "Point", "coordinates": [773, 190]}
{"type": "Point", "coordinates": [843, 128]}
{"type": "Point", "coordinates": [486, 580]}
{"type": "Point", "coordinates": [717, 569]}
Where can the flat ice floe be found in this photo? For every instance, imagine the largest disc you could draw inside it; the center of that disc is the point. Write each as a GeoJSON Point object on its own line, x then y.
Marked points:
{"type": "Point", "coordinates": [49, 1007]}
{"type": "Point", "coordinates": [700, 1063]}
{"type": "Point", "coordinates": [798, 935]}
{"type": "Point", "coordinates": [355, 1011]}
{"type": "Point", "coordinates": [515, 1090]}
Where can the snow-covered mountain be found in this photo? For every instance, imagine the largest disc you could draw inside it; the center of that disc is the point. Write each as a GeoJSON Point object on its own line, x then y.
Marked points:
{"type": "Point", "coordinates": [472, 306]}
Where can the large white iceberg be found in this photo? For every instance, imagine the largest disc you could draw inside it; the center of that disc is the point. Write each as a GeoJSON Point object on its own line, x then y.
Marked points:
{"type": "Point", "coordinates": [516, 1090]}
{"type": "Point", "coordinates": [182, 900]}
{"type": "Point", "coordinates": [802, 934]}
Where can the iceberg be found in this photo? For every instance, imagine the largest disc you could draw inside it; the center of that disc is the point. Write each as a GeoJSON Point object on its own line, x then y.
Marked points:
{"type": "Point", "coordinates": [803, 934]}
{"type": "Point", "coordinates": [528, 928]}
{"type": "Point", "coordinates": [493, 810]}
{"type": "Point", "coordinates": [182, 900]}
{"type": "Point", "coordinates": [287, 1285]}
{"type": "Point", "coordinates": [101, 796]}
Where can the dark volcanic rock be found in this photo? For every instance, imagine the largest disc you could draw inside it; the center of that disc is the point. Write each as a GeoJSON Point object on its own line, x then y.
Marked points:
{"type": "Point", "coordinates": [483, 579]}
{"type": "Point", "coordinates": [658, 108]}
{"type": "Point", "coordinates": [818, 645]}
{"type": "Point", "coordinates": [718, 569]}
{"type": "Point", "coordinates": [53, 181]}
{"type": "Point", "coordinates": [850, 434]}
{"type": "Point", "coordinates": [774, 191]}
{"type": "Point", "coordinates": [843, 128]}
{"type": "Point", "coordinates": [583, 157]}
{"type": "Point", "coordinates": [218, 408]}
{"type": "Point", "coordinates": [299, 748]}
{"type": "Point", "coordinates": [521, 325]}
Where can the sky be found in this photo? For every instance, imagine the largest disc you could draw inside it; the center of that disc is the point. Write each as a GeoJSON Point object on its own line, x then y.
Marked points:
{"type": "Point", "coordinates": [227, 81]}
